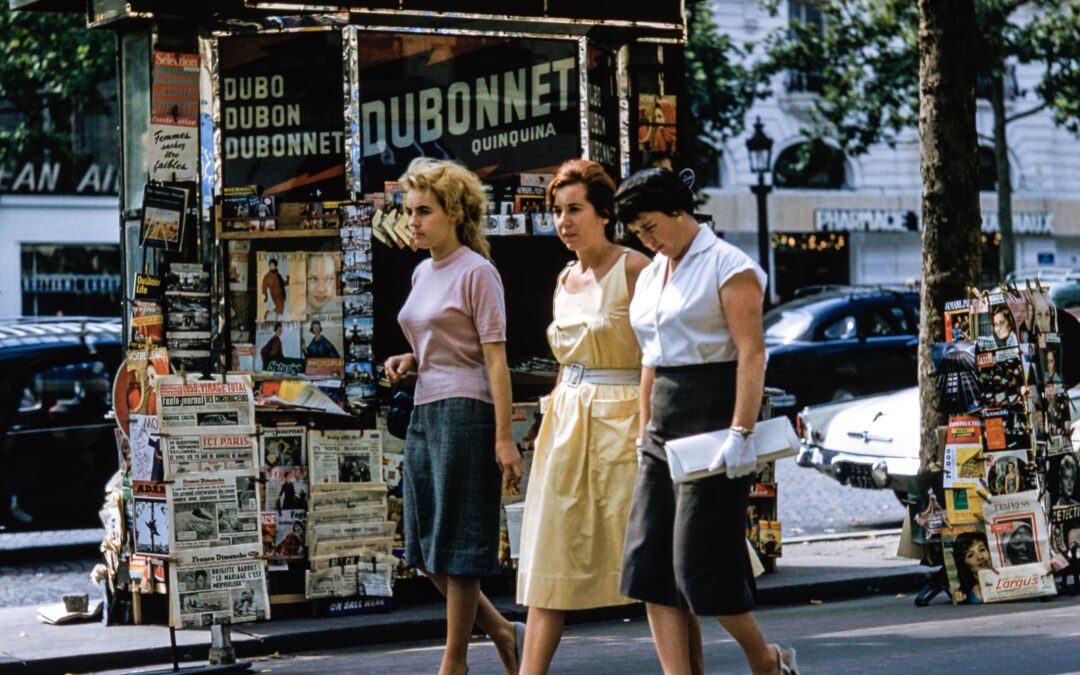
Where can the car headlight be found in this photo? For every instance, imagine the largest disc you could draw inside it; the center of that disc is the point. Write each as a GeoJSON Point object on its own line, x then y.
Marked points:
{"type": "Point", "coordinates": [880, 472]}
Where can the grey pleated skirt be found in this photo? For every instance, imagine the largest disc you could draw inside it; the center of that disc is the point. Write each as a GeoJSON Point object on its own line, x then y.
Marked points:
{"type": "Point", "coordinates": [452, 488]}
{"type": "Point", "coordinates": [685, 543]}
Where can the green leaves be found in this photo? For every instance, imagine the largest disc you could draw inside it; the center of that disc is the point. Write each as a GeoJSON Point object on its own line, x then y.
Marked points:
{"type": "Point", "coordinates": [51, 67]}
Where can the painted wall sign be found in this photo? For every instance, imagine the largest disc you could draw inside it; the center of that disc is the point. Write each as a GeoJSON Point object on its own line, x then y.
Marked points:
{"type": "Point", "coordinates": [897, 220]}
{"type": "Point", "coordinates": [87, 177]}
{"type": "Point", "coordinates": [282, 115]}
{"type": "Point", "coordinates": [500, 106]}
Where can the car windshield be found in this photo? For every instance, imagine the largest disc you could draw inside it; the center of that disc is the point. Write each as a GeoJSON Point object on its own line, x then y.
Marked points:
{"type": "Point", "coordinates": [785, 325]}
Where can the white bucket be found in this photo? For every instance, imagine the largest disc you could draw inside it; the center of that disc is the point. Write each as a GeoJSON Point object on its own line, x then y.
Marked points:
{"type": "Point", "coordinates": [514, 513]}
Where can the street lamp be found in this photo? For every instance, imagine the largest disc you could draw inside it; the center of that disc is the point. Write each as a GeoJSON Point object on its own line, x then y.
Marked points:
{"type": "Point", "coordinates": [759, 146]}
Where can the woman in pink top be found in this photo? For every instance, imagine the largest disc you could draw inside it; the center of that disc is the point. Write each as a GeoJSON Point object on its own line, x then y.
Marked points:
{"type": "Point", "coordinates": [459, 445]}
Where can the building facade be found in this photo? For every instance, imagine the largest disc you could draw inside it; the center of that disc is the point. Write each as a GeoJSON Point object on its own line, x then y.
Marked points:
{"type": "Point", "coordinates": [857, 219]}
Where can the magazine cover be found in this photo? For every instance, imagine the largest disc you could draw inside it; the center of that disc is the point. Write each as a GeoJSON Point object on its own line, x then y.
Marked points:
{"type": "Point", "coordinates": [1045, 318]}
{"type": "Point", "coordinates": [957, 321]}
{"type": "Point", "coordinates": [1065, 528]}
{"type": "Point", "coordinates": [962, 506]}
{"type": "Point", "coordinates": [1001, 377]}
{"type": "Point", "coordinates": [1061, 480]}
{"type": "Point", "coordinates": [995, 325]}
{"type": "Point", "coordinates": [151, 519]}
{"type": "Point", "coordinates": [966, 552]}
{"type": "Point", "coordinates": [956, 377]}
{"type": "Point", "coordinates": [278, 342]}
{"type": "Point", "coordinates": [164, 215]}
{"type": "Point", "coordinates": [963, 464]}
{"type": "Point", "coordinates": [1009, 472]}
{"type": "Point", "coordinates": [1006, 428]}
{"type": "Point", "coordinates": [322, 279]}
{"type": "Point", "coordinates": [286, 489]}
{"type": "Point", "coordinates": [1058, 420]}
{"type": "Point", "coordinates": [323, 338]}
{"type": "Point", "coordinates": [282, 289]}
{"type": "Point", "coordinates": [290, 541]}
{"type": "Point", "coordinates": [1016, 529]}
{"type": "Point", "coordinates": [283, 447]}
{"type": "Point", "coordinates": [1019, 303]}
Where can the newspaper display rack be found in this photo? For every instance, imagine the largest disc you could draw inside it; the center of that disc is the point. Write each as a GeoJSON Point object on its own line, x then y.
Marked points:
{"type": "Point", "coordinates": [1007, 520]}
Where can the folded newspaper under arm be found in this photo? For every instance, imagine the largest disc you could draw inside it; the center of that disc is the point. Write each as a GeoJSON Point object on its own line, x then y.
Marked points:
{"type": "Point", "coordinates": [689, 457]}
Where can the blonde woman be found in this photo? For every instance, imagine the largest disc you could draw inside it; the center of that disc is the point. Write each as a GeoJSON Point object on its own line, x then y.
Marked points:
{"type": "Point", "coordinates": [459, 444]}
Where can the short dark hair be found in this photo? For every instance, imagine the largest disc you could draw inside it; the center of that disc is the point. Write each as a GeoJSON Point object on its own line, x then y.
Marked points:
{"type": "Point", "coordinates": [652, 189]}
{"type": "Point", "coordinates": [277, 324]}
{"type": "Point", "coordinates": [272, 261]}
{"type": "Point", "coordinates": [315, 323]}
{"type": "Point", "coordinates": [599, 187]}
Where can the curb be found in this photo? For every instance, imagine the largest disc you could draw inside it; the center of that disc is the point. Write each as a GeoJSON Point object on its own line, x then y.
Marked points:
{"type": "Point", "coordinates": [425, 621]}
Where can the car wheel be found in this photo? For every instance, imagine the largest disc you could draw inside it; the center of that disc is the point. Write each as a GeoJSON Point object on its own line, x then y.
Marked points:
{"type": "Point", "coordinates": [843, 393]}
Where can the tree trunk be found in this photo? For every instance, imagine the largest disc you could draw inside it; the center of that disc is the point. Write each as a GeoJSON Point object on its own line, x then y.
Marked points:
{"type": "Point", "coordinates": [948, 41]}
{"type": "Point", "coordinates": [1007, 252]}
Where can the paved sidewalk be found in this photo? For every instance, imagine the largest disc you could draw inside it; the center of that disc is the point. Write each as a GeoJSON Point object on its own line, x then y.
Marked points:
{"type": "Point", "coordinates": [816, 571]}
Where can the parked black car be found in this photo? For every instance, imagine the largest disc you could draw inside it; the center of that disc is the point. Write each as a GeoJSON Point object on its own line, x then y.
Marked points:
{"type": "Point", "coordinates": [836, 343]}
{"type": "Point", "coordinates": [57, 445]}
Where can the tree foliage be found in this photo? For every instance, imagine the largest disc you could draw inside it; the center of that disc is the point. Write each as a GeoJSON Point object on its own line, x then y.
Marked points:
{"type": "Point", "coordinates": [719, 89]}
{"type": "Point", "coordinates": [867, 56]}
{"type": "Point", "coordinates": [51, 68]}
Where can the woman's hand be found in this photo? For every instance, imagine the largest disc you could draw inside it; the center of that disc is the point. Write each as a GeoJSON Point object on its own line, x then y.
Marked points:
{"type": "Point", "coordinates": [508, 458]}
{"type": "Point", "coordinates": [397, 367]}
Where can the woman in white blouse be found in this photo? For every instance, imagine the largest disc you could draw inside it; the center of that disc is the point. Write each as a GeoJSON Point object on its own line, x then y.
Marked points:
{"type": "Point", "coordinates": [697, 314]}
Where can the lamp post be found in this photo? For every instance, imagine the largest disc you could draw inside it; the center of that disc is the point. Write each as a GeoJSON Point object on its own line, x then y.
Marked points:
{"type": "Point", "coordinates": [759, 146]}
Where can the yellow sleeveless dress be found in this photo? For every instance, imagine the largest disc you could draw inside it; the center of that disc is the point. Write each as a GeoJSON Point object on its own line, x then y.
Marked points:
{"type": "Point", "coordinates": [582, 479]}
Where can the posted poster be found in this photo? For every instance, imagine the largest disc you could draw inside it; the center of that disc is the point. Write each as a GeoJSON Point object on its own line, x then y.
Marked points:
{"type": "Point", "coordinates": [205, 594]}
{"type": "Point", "coordinates": [173, 150]}
{"type": "Point", "coordinates": [509, 105]}
{"type": "Point", "coordinates": [282, 290]}
{"type": "Point", "coordinates": [297, 152]}
{"type": "Point", "coordinates": [657, 130]}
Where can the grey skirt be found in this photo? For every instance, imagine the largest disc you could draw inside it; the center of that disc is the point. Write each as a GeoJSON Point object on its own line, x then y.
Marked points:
{"type": "Point", "coordinates": [452, 489]}
{"type": "Point", "coordinates": [685, 543]}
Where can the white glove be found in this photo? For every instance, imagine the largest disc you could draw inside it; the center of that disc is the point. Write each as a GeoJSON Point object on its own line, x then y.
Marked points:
{"type": "Point", "coordinates": [737, 454]}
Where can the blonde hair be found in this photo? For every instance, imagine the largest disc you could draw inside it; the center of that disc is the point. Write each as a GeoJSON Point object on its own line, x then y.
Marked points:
{"type": "Point", "coordinates": [458, 191]}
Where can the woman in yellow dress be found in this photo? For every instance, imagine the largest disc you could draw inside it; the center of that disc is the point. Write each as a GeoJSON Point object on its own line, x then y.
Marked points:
{"type": "Point", "coordinates": [584, 466]}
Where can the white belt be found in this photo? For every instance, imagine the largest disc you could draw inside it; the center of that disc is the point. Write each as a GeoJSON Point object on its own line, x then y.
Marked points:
{"type": "Point", "coordinates": [574, 374]}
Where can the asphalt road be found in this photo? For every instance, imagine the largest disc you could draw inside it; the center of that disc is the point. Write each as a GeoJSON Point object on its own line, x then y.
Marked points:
{"type": "Point", "coordinates": [809, 503]}
{"type": "Point", "coordinates": [879, 634]}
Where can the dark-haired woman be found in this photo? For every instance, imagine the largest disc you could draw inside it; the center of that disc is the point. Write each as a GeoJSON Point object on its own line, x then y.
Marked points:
{"type": "Point", "coordinates": [583, 468]}
{"type": "Point", "coordinates": [970, 554]}
{"type": "Point", "coordinates": [697, 316]}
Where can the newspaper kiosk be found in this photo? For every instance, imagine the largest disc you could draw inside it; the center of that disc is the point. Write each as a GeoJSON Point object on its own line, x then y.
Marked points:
{"type": "Point", "coordinates": [265, 257]}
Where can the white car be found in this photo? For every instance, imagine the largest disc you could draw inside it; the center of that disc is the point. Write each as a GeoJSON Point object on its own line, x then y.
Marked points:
{"type": "Point", "coordinates": [871, 442]}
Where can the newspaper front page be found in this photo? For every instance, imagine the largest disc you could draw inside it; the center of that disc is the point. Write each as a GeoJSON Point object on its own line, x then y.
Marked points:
{"type": "Point", "coordinates": [348, 576]}
{"type": "Point", "coordinates": [214, 515]}
{"type": "Point", "coordinates": [214, 593]}
{"type": "Point", "coordinates": [345, 457]}
{"type": "Point", "coordinates": [208, 454]}
{"type": "Point", "coordinates": [205, 407]}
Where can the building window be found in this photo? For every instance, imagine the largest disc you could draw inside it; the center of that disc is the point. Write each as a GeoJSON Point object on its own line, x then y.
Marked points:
{"type": "Point", "coordinates": [815, 166]}
{"type": "Point", "coordinates": [807, 79]}
{"type": "Point", "coordinates": [71, 280]}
